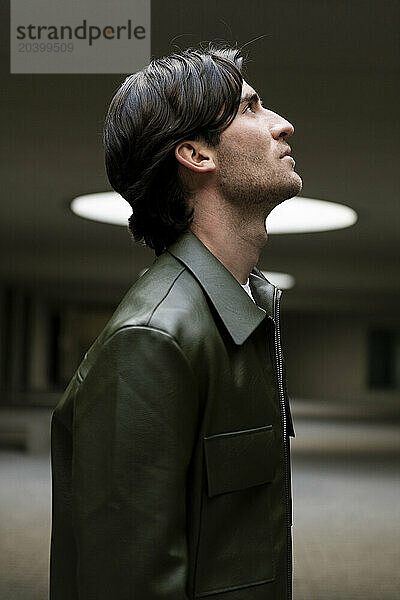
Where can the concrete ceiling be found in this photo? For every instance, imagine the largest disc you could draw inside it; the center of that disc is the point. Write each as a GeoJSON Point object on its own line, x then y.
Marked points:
{"type": "Point", "coordinates": [330, 67]}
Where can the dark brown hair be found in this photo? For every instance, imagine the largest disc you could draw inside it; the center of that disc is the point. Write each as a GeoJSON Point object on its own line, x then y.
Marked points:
{"type": "Point", "coordinates": [188, 95]}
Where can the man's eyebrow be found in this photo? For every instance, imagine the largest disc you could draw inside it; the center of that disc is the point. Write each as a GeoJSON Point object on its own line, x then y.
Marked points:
{"type": "Point", "coordinates": [249, 97]}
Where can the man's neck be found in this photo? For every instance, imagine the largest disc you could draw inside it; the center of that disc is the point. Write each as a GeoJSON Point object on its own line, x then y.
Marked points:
{"type": "Point", "coordinates": [237, 249]}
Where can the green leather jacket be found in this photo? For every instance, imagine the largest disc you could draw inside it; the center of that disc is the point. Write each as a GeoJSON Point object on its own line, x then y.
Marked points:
{"type": "Point", "coordinates": [169, 448]}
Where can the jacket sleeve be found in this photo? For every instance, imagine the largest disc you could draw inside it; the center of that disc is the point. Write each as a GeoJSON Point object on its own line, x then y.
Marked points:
{"type": "Point", "coordinates": [134, 430]}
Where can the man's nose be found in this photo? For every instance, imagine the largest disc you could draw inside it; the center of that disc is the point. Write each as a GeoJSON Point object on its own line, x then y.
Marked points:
{"type": "Point", "coordinates": [282, 128]}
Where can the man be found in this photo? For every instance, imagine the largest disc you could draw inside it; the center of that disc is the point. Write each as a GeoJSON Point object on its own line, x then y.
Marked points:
{"type": "Point", "coordinates": [170, 448]}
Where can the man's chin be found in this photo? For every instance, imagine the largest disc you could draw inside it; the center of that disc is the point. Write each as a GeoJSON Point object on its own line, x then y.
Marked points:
{"type": "Point", "coordinates": [299, 182]}
{"type": "Point", "coordinates": [291, 189]}
{"type": "Point", "coordinates": [293, 185]}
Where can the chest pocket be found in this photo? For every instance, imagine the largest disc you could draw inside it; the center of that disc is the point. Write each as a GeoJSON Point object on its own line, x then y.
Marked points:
{"type": "Point", "coordinates": [235, 547]}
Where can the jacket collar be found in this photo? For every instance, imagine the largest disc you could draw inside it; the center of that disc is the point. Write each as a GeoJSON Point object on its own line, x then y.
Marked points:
{"type": "Point", "coordinates": [237, 310]}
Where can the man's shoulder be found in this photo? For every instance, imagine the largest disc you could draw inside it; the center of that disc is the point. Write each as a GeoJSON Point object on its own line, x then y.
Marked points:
{"type": "Point", "coordinates": [166, 299]}
{"type": "Point", "coordinates": [165, 311]}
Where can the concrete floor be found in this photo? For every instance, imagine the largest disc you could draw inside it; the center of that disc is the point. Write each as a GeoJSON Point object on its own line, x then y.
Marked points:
{"type": "Point", "coordinates": [346, 515]}
{"type": "Point", "coordinates": [346, 488]}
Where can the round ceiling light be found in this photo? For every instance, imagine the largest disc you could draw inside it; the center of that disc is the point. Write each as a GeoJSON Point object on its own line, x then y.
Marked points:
{"type": "Point", "coordinates": [296, 215]}
{"type": "Point", "coordinates": [283, 281]}
{"type": "Point", "coordinates": [303, 215]}
{"type": "Point", "coordinates": [106, 207]}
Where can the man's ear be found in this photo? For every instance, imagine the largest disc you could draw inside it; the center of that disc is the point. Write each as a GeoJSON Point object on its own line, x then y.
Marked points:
{"type": "Point", "coordinates": [196, 156]}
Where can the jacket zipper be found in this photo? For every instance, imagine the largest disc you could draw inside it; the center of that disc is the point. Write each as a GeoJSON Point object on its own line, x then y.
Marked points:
{"type": "Point", "coordinates": [279, 366]}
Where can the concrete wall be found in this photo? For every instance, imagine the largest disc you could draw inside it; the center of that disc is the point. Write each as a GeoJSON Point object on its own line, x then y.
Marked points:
{"type": "Point", "coordinates": [327, 356]}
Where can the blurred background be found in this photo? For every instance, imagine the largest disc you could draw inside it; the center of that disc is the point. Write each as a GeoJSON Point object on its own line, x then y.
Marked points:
{"type": "Point", "coordinates": [332, 69]}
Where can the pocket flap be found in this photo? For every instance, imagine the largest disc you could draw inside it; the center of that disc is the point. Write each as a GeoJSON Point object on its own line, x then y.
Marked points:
{"type": "Point", "coordinates": [240, 459]}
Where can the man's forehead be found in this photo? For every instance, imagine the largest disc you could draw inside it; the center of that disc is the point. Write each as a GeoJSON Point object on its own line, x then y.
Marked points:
{"type": "Point", "coordinates": [248, 93]}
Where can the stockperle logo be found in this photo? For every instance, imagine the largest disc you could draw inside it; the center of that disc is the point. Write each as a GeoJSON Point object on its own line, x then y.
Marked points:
{"type": "Point", "coordinates": [85, 36]}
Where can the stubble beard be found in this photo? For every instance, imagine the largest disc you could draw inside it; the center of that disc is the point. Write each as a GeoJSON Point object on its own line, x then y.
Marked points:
{"type": "Point", "coordinates": [250, 186]}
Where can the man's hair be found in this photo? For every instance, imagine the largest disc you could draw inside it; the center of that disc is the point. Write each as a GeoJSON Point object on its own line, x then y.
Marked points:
{"type": "Point", "coordinates": [193, 94]}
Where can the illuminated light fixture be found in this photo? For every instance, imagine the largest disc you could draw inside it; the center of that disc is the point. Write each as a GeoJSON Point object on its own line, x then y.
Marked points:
{"type": "Point", "coordinates": [106, 207]}
{"type": "Point", "coordinates": [303, 215]}
{"type": "Point", "coordinates": [296, 215]}
{"type": "Point", "coordinates": [283, 281]}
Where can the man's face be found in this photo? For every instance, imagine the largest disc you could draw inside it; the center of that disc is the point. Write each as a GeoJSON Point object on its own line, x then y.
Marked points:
{"type": "Point", "coordinates": [251, 173]}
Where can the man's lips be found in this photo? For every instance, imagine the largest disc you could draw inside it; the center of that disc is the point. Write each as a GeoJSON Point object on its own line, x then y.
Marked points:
{"type": "Point", "coordinates": [287, 157]}
{"type": "Point", "coordinates": [286, 153]}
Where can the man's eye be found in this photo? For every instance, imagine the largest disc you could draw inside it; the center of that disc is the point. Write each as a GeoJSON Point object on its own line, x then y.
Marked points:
{"type": "Point", "coordinates": [248, 106]}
